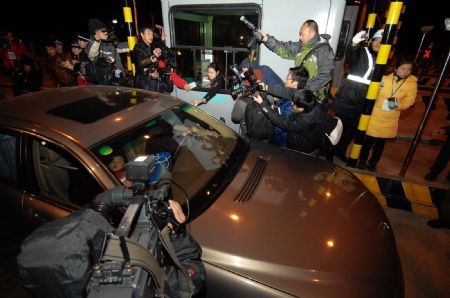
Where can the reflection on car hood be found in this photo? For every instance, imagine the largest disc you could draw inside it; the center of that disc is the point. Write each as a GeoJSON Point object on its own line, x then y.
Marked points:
{"type": "Point", "coordinates": [307, 224]}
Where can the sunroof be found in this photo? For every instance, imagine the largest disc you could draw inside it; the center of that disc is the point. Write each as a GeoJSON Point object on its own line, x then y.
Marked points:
{"type": "Point", "coordinates": [94, 108]}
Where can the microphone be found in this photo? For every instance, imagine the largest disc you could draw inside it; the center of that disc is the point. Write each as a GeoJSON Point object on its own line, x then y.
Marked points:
{"type": "Point", "coordinates": [247, 22]}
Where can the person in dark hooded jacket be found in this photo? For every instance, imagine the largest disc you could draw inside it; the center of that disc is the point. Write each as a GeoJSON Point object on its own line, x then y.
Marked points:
{"type": "Point", "coordinates": [311, 51]}
{"type": "Point", "coordinates": [301, 125]}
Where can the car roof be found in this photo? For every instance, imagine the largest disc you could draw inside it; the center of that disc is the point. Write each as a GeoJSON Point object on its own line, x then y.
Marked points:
{"type": "Point", "coordinates": [87, 114]}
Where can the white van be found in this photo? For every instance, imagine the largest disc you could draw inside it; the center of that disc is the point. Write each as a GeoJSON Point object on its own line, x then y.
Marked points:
{"type": "Point", "coordinates": [203, 31]}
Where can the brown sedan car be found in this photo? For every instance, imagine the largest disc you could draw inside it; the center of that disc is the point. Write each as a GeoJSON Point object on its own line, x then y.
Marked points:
{"type": "Point", "coordinates": [271, 222]}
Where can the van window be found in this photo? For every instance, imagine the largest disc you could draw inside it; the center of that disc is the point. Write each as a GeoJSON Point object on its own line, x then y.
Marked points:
{"type": "Point", "coordinates": [202, 34]}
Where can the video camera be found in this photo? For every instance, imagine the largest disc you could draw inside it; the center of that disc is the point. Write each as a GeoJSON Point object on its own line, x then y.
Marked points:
{"type": "Point", "coordinates": [119, 277]}
{"type": "Point", "coordinates": [256, 38]}
{"type": "Point", "coordinates": [82, 255]}
{"type": "Point", "coordinates": [167, 55]}
{"type": "Point", "coordinates": [112, 38]}
{"type": "Point", "coordinates": [239, 85]}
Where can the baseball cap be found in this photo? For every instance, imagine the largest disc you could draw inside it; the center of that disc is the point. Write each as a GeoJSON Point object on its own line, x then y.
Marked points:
{"type": "Point", "coordinates": [378, 34]}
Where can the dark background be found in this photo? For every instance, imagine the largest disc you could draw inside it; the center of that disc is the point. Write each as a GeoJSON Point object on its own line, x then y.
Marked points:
{"type": "Point", "coordinates": [40, 20]}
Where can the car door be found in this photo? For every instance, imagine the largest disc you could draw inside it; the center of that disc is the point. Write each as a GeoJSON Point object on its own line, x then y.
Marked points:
{"type": "Point", "coordinates": [10, 178]}
{"type": "Point", "coordinates": [59, 182]}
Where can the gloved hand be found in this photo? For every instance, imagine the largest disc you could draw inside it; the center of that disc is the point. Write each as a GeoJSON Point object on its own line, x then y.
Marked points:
{"type": "Point", "coordinates": [360, 36]}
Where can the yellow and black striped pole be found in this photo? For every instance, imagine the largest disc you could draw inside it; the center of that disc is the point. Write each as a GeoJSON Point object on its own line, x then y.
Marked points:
{"type": "Point", "coordinates": [128, 16]}
{"type": "Point", "coordinates": [394, 41]}
{"type": "Point", "coordinates": [372, 92]}
{"type": "Point", "coordinates": [371, 19]}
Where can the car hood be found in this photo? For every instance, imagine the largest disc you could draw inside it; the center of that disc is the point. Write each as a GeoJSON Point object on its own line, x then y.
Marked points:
{"type": "Point", "coordinates": [296, 223]}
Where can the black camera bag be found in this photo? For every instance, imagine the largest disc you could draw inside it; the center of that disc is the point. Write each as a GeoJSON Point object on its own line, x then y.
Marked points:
{"type": "Point", "coordinates": [257, 123]}
{"type": "Point", "coordinates": [55, 260]}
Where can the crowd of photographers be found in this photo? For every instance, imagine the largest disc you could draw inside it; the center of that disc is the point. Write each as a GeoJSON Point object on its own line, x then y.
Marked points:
{"type": "Point", "coordinates": [303, 125]}
{"type": "Point", "coordinates": [93, 58]}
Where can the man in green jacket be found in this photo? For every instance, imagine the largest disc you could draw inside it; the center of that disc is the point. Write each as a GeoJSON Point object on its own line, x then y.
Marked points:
{"type": "Point", "coordinates": [312, 51]}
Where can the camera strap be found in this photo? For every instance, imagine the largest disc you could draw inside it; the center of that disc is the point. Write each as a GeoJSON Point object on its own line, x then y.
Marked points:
{"type": "Point", "coordinates": [138, 256]}
{"type": "Point", "coordinates": [185, 280]}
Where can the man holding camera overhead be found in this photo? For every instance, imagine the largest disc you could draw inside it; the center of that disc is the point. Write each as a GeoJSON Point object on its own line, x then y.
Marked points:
{"type": "Point", "coordinates": [311, 51]}
{"type": "Point", "coordinates": [107, 67]}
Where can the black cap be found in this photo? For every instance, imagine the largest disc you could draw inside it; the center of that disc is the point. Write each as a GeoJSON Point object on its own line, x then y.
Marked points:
{"type": "Point", "coordinates": [75, 45]}
{"type": "Point", "coordinates": [95, 24]}
{"type": "Point", "coordinates": [49, 43]}
{"type": "Point", "coordinates": [83, 36]}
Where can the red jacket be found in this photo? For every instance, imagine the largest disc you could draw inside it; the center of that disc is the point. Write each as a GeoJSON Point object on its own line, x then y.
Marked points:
{"type": "Point", "coordinates": [16, 47]}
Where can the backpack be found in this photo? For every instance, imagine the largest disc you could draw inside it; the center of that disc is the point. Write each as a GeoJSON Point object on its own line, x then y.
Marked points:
{"type": "Point", "coordinates": [257, 123]}
{"type": "Point", "coordinates": [330, 130]}
{"type": "Point", "coordinates": [55, 260]}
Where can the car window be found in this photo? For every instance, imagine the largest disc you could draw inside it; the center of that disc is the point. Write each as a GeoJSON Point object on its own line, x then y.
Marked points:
{"type": "Point", "coordinates": [8, 156]}
{"type": "Point", "coordinates": [61, 176]}
{"type": "Point", "coordinates": [199, 151]}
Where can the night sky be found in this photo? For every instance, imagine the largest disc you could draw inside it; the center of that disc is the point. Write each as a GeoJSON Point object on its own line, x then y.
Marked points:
{"type": "Point", "coordinates": [35, 20]}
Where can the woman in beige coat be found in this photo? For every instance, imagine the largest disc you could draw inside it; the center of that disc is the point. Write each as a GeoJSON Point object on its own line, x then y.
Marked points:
{"type": "Point", "coordinates": [397, 92]}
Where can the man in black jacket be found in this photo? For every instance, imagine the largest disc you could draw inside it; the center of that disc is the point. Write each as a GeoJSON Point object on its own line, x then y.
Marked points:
{"type": "Point", "coordinates": [153, 71]}
{"type": "Point", "coordinates": [301, 125]}
{"type": "Point", "coordinates": [350, 98]}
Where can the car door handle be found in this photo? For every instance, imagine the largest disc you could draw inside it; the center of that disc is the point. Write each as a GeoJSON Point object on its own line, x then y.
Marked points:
{"type": "Point", "coordinates": [34, 215]}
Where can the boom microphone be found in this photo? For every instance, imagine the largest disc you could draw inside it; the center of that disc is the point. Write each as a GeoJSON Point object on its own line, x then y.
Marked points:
{"type": "Point", "coordinates": [247, 22]}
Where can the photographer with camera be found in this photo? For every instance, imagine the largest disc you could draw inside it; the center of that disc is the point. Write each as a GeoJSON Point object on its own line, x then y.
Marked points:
{"type": "Point", "coordinates": [311, 51]}
{"type": "Point", "coordinates": [304, 132]}
{"type": "Point", "coordinates": [296, 79]}
{"type": "Point", "coordinates": [247, 77]}
{"type": "Point", "coordinates": [154, 62]}
{"type": "Point", "coordinates": [106, 66]}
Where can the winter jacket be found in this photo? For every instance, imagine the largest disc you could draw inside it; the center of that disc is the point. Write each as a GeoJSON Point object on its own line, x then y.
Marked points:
{"type": "Point", "coordinates": [141, 59]}
{"type": "Point", "coordinates": [13, 49]}
{"type": "Point", "coordinates": [217, 84]}
{"type": "Point", "coordinates": [351, 95]}
{"type": "Point", "coordinates": [320, 63]}
{"type": "Point", "coordinates": [97, 49]}
{"type": "Point", "coordinates": [300, 127]}
{"type": "Point", "coordinates": [384, 124]}
{"type": "Point", "coordinates": [285, 109]}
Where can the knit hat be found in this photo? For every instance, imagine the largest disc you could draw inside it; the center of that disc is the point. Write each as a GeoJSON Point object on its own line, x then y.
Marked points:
{"type": "Point", "coordinates": [95, 24]}
{"type": "Point", "coordinates": [378, 34]}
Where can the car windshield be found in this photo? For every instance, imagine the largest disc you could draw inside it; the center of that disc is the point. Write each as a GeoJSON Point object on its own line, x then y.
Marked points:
{"type": "Point", "coordinates": [202, 153]}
